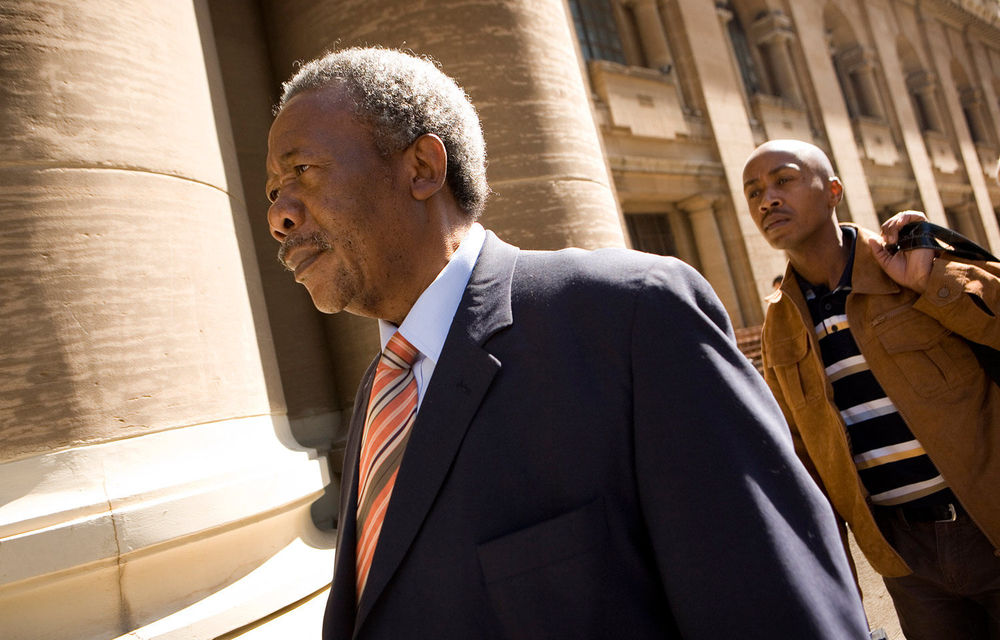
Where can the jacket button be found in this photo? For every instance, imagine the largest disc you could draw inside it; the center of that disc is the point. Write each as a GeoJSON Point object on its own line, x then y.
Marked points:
{"type": "Point", "coordinates": [944, 292]}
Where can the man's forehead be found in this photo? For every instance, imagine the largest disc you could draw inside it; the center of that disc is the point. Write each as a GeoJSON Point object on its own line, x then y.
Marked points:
{"type": "Point", "coordinates": [309, 109]}
{"type": "Point", "coordinates": [304, 118]}
{"type": "Point", "coordinates": [770, 161]}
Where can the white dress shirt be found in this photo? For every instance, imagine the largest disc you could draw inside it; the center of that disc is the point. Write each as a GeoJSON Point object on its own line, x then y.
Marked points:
{"type": "Point", "coordinates": [426, 325]}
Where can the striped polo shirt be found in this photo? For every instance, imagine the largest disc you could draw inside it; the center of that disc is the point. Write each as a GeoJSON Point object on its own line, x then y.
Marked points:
{"type": "Point", "coordinates": [891, 463]}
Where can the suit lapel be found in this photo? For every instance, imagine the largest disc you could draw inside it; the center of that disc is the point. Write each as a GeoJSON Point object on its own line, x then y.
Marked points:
{"type": "Point", "coordinates": [460, 382]}
{"type": "Point", "coordinates": [342, 605]}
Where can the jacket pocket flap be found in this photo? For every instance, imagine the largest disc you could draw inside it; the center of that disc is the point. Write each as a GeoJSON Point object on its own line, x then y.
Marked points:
{"type": "Point", "coordinates": [545, 543]}
{"type": "Point", "coordinates": [788, 350]}
{"type": "Point", "coordinates": [912, 332]}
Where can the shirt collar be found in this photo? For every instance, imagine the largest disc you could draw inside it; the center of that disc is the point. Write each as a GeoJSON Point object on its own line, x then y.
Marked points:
{"type": "Point", "coordinates": [426, 325]}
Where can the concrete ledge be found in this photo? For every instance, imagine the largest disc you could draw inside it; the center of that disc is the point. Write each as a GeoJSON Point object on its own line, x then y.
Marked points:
{"type": "Point", "coordinates": [116, 536]}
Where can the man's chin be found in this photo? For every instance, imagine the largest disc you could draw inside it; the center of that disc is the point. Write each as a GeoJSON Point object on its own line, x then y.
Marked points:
{"type": "Point", "coordinates": [778, 239]}
{"type": "Point", "coordinates": [323, 301]}
{"type": "Point", "coordinates": [324, 307]}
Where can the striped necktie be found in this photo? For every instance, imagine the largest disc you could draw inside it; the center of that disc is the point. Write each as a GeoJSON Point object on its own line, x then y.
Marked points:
{"type": "Point", "coordinates": [392, 409]}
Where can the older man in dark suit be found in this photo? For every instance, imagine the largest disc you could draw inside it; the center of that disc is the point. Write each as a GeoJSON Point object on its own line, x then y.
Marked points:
{"type": "Point", "coordinates": [552, 444]}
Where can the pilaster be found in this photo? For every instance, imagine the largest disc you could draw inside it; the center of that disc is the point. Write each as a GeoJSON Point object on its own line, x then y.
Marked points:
{"type": "Point", "coordinates": [836, 120]}
{"type": "Point", "coordinates": [712, 253]}
{"type": "Point", "coordinates": [885, 34]}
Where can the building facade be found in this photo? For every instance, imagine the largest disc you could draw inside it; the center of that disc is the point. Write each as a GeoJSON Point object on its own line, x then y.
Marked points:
{"type": "Point", "coordinates": [903, 95]}
{"type": "Point", "coordinates": [172, 407]}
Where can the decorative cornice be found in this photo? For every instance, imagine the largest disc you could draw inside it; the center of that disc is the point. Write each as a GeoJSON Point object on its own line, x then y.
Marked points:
{"type": "Point", "coordinates": [664, 166]}
{"type": "Point", "coordinates": [967, 13]}
{"type": "Point", "coordinates": [772, 26]}
{"type": "Point", "coordinates": [986, 10]}
{"type": "Point", "coordinates": [857, 57]}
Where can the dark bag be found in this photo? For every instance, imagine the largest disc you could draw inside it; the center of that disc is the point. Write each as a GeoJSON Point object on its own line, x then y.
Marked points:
{"type": "Point", "coordinates": [926, 235]}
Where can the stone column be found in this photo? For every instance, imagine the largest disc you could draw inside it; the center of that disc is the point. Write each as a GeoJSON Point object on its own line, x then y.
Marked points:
{"type": "Point", "coordinates": [834, 115]}
{"type": "Point", "coordinates": [712, 253]}
{"type": "Point", "coordinates": [885, 32]}
{"type": "Point", "coordinates": [308, 365]}
{"type": "Point", "coordinates": [654, 39]}
{"type": "Point", "coordinates": [628, 33]}
{"type": "Point", "coordinates": [973, 103]}
{"type": "Point", "coordinates": [983, 76]}
{"type": "Point", "coordinates": [144, 459]}
{"type": "Point", "coordinates": [684, 243]}
{"type": "Point", "coordinates": [774, 32]}
{"type": "Point", "coordinates": [869, 90]}
{"type": "Point", "coordinates": [939, 42]}
{"type": "Point", "coordinates": [553, 188]}
{"type": "Point", "coordinates": [859, 62]}
{"type": "Point", "coordinates": [923, 85]}
{"type": "Point", "coordinates": [965, 219]}
{"type": "Point", "coordinates": [731, 128]}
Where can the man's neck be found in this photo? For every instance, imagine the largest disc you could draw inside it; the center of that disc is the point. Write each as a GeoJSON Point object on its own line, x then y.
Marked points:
{"type": "Point", "coordinates": [822, 262]}
{"type": "Point", "coordinates": [439, 252]}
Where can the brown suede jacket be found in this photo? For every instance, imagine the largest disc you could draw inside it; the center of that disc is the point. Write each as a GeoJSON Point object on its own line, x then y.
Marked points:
{"type": "Point", "coordinates": [915, 347]}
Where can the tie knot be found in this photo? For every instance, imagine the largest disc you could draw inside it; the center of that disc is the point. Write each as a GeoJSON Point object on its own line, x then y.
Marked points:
{"type": "Point", "coordinates": [399, 352]}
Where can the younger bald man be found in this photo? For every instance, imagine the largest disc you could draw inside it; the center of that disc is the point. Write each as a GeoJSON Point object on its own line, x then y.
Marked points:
{"type": "Point", "coordinates": [867, 354]}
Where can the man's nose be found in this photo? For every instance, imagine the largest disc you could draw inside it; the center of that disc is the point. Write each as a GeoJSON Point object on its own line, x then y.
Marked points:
{"type": "Point", "coordinates": [284, 216]}
{"type": "Point", "coordinates": [768, 202]}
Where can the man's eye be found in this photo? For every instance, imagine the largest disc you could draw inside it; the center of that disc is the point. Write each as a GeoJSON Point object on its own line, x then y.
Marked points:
{"type": "Point", "coordinates": [753, 194]}
{"type": "Point", "coordinates": [300, 169]}
{"type": "Point", "coordinates": [272, 195]}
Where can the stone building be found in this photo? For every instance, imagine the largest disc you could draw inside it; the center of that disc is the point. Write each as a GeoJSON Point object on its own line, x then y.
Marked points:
{"type": "Point", "coordinates": [172, 406]}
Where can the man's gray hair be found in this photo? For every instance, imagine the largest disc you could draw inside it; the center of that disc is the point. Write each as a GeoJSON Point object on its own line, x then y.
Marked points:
{"type": "Point", "coordinates": [401, 97]}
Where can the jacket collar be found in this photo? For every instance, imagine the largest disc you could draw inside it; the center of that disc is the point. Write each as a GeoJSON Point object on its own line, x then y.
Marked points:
{"type": "Point", "coordinates": [867, 275]}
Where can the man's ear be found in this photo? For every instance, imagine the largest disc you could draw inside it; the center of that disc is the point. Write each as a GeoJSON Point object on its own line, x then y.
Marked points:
{"type": "Point", "coordinates": [427, 160]}
{"type": "Point", "coordinates": [836, 191]}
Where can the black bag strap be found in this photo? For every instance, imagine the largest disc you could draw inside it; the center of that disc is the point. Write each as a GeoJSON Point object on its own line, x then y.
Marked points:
{"type": "Point", "coordinates": [927, 235]}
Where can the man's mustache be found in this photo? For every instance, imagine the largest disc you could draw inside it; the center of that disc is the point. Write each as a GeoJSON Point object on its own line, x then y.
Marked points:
{"type": "Point", "coordinates": [316, 239]}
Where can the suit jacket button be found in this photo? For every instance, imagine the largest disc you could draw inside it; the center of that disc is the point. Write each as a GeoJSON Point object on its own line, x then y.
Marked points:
{"type": "Point", "coordinates": [944, 292]}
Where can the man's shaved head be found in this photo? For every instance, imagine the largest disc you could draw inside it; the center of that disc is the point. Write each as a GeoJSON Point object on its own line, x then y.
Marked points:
{"type": "Point", "coordinates": [792, 193]}
{"type": "Point", "coordinates": [811, 156]}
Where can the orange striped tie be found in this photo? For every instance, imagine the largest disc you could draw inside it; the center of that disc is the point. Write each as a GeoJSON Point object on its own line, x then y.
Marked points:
{"type": "Point", "coordinates": [392, 409]}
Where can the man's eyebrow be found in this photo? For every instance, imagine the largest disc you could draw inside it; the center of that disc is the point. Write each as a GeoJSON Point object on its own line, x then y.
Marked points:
{"type": "Point", "coordinates": [780, 167]}
{"type": "Point", "coordinates": [281, 160]}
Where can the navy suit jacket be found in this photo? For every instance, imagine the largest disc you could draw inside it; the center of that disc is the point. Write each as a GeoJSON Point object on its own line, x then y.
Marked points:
{"type": "Point", "coordinates": [594, 458]}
